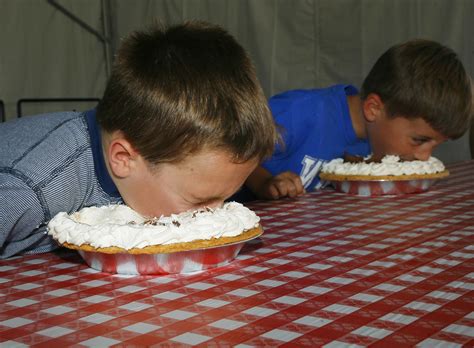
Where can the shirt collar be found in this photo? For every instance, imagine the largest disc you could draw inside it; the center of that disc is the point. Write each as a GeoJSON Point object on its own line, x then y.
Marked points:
{"type": "Point", "coordinates": [101, 171]}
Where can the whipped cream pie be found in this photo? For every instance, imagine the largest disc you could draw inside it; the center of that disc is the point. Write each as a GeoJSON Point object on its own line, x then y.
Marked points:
{"type": "Point", "coordinates": [118, 228]}
{"type": "Point", "coordinates": [390, 168]}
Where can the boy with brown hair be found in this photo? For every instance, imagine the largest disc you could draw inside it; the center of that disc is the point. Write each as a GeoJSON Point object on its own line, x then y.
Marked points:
{"type": "Point", "coordinates": [179, 127]}
{"type": "Point", "coordinates": [416, 96]}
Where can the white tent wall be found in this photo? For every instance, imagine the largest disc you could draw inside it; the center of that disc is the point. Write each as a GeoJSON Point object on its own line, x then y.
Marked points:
{"type": "Point", "coordinates": [294, 43]}
{"type": "Point", "coordinates": [44, 54]}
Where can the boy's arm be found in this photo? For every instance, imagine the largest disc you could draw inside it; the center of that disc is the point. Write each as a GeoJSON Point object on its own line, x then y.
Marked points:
{"type": "Point", "coordinates": [266, 186]}
{"type": "Point", "coordinates": [21, 218]}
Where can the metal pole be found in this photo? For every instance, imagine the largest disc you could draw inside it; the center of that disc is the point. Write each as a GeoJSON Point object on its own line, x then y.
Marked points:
{"type": "Point", "coordinates": [77, 20]}
{"type": "Point", "coordinates": [106, 28]}
{"type": "Point", "coordinates": [107, 33]}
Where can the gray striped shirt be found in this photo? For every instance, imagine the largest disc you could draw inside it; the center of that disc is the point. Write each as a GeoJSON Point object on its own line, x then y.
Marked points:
{"type": "Point", "coordinates": [46, 166]}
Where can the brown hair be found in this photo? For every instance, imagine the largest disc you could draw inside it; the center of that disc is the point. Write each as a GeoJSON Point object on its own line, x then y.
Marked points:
{"type": "Point", "coordinates": [422, 78]}
{"type": "Point", "coordinates": [174, 91]}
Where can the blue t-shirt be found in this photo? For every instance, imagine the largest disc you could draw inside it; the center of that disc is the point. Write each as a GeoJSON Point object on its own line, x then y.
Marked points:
{"type": "Point", "coordinates": [316, 127]}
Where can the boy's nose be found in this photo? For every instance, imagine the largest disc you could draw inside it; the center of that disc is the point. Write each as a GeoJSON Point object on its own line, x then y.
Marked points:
{"type": "Point", "coordinates": [214, 204]}
{"type": "Point", "coordinates": [423, 155]}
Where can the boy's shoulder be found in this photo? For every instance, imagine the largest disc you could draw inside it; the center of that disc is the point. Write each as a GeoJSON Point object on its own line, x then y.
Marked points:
{"type": "Point", "coordinates": [313, 95]}
{"type": "Point", "coordinates": [310, 101]}
{"type": "Point", "coordinates": [40, 122]}
{"type": "Point", "coordinates": [41, 136]}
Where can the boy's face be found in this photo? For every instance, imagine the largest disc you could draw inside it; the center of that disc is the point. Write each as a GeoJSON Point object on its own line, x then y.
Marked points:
{"type": "Point", "coordinates": [203, 179]}
{"type": "Point", "coordinates": [411, 139]}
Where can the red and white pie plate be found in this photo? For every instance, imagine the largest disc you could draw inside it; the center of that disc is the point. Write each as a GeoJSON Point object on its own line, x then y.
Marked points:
{"type": "Point", "coordinates": [372, 186]}
{"type": "Point", "coordinates": [164, 263]}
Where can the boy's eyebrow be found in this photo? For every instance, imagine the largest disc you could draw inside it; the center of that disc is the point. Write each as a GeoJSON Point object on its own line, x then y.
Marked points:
{"type": "Point", "coordinates": [422, 136]}
{"type": "Point", "coordinates": [207, 199]}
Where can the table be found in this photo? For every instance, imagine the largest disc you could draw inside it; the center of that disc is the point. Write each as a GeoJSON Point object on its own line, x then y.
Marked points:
{"type": "Point", "coordinates": [331, 269]}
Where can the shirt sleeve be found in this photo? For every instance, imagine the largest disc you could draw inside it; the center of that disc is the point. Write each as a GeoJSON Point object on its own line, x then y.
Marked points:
{"type": "Point", "coordinates": [283, 111]}
{"type": "Point", "coordinates": [22, 220]}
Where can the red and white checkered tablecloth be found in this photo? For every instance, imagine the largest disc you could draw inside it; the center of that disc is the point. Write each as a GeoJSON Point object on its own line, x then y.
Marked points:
{"type": "Point", "coordinates": [330, 270]}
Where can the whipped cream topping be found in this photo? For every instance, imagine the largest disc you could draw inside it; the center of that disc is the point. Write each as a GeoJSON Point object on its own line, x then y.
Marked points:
{"type": "Point", "coordinates": [120, 226]}
{"type": "Point", "coordinates": [390, 165]}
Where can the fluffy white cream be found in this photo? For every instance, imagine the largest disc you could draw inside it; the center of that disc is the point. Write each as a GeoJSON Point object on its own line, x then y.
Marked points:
{"type": "Point", "coordinates": [120, 226]}
{"type": "Point", "coordinates": [390, 165]}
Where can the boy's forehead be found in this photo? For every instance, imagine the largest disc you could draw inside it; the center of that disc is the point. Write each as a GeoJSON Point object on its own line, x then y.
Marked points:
{"type": "Point", "coordinates": [428, 131]}
{"type": "Point", "coordinates": [212, 176]}
{"type": "Point", "coordinates": [419, 127]}
{"type": "Point", "coordinates": [209, 191]}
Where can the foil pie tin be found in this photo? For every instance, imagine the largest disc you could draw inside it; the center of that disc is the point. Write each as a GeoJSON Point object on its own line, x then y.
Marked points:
{"type": "Point", "coordinates": [383, 187]}
{"type": "Point", "coordinates": [367, 185]}
{"type": "Point", "coordinates": [188, 261]}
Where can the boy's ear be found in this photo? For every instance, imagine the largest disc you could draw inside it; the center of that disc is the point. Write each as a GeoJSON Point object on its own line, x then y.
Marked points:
{"type": "Point", "coordinates": [121, 157]}
{"type": "Point", "coordinates": [373, 107]}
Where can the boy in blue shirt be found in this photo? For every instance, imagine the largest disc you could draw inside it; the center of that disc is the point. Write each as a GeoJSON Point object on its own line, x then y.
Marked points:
{"type": "Point", "coordinates": [416, 96]}
{"type": "Point", "coordinates": [178, 128]}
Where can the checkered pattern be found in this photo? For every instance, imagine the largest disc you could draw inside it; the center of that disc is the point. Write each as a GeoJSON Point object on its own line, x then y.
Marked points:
{"type": "Point", "coordinates": [331, 269]}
